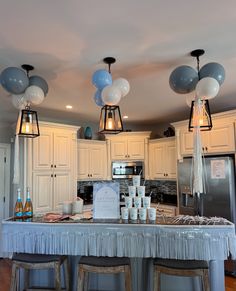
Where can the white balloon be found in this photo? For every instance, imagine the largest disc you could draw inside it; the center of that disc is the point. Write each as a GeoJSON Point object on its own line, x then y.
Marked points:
{"type": "Point", "coordinates": [123, 85]}
{"type": "Point", "coordinates": [19, 101]}
{"type": "Point", "coordinates": [189, 100]}
{"type": "Point", "coordinates": [111, 95]}
{"type": "Point", "coordinates": [34, 94]}
{"type": "Point", "coordinates": [207, 88]}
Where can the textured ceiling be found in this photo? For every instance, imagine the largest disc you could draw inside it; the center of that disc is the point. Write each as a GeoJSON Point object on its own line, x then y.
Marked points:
{"type": "Point", "coordinates": [67, 40]}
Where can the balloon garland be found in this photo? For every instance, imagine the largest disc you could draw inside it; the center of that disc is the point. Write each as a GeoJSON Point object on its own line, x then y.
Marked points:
{"type": "Point", "coordinates": [205, 81]}
{"type": "Point", "coordinates": [109, 92]}
{"type": "Point", "coordinates": [24, 90]}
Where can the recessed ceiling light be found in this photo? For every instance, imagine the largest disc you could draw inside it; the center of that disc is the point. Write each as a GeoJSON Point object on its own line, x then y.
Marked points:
{"type": "Point", "coordinates": [125, 116]}
{"type": "Point", "coordinates": [69, 107]}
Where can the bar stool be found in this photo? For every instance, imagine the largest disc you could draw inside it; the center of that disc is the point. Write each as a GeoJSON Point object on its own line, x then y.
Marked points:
{"type": "Point", "coordinates": [35, 261]}
{"type": "Point", "coordinates": [103, 265]}
{"type": "Point", "coordinates": [183, 268]}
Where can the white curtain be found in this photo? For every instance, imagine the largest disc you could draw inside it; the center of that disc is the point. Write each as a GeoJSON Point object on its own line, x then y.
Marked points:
{"type": "Point", "coordinates": [16, 177]}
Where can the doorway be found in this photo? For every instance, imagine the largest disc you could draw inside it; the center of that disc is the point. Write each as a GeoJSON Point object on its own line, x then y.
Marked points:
{"type": "Point", "coordinates": [5, 150]}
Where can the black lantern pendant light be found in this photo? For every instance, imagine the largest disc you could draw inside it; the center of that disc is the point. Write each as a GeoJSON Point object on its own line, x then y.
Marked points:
{"type": "Point", "coordinates": [29, 126]}
{"type": "Point", "coordinates": [200, 114]}
{"type": "Point", "coordinates": [110, 117]}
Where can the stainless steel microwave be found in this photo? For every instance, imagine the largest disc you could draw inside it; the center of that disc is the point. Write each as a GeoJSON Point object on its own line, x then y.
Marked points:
{"type": "Point", "coordinates": [127, 169]}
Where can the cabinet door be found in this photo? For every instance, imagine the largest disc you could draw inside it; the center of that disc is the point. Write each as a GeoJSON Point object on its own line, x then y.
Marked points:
{"type": "Point", "coordinates": [62, 151]}
{"type": "Point", "coordinates": [186, 141]}
{"type": "Point", "coordinates": [136, 149]}
{"type": "Point", "coordinates": [61, 189]}
{"type": "Point", "coordinates": [97, 162]}
{"type": "Point", "coordinates": [42, 192]}
{"type": "Point", "coordinates": [171, 160]}
{"type": "Point", "coordinates": [221, 139]}
{"type": "Point", "coordinates": [43, 150]}
{"type": "Point", "coordinates": [119, 149]}
{"type": "Point", "coordinates": [83, 162]}
{"type": "Point", "coordinates": [157, 160]}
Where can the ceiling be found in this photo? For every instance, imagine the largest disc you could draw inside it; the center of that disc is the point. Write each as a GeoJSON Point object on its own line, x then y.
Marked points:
{"type": "Point", "coordinates": [66, 42]}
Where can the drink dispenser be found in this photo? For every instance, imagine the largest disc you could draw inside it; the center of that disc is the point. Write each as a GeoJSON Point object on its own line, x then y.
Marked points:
{"type": "Point", "coordinates": [186, 199]}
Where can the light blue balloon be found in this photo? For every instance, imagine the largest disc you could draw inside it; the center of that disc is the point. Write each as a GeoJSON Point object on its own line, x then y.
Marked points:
{"type": "Point", "coordinates": [101, 79]}
{"type": "Point", "coordinates": [98, 98]}
{"type": "Point", "coordinates": [213, 70]}
{"type": "Point", "coordinates": [39, 82]}
{"type": "Point", "coordinates": [14, 80]}
{"type": "Point", "coordinates": [183, 79]}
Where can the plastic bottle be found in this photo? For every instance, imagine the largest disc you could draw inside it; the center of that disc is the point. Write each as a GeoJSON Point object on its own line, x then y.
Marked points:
{"type": "Point", "coordinates": [18, 210]}
{"type": "Point", "coordinates": [28, 208]}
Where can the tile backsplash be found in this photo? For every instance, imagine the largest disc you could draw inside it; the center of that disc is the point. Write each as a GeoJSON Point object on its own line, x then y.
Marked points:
{"type": "Point", "coordinates": [156, 186]}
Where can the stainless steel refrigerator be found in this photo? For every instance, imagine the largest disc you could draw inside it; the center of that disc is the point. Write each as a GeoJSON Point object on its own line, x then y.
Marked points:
{"type": "Point", "coordinates": [219, 197]}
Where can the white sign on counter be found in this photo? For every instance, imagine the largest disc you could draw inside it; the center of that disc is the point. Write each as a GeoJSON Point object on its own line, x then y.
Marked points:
{"type": "Point", "coordinates": [106, 200]}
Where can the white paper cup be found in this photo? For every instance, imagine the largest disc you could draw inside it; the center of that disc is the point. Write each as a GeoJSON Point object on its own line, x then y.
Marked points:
{"type": "Point", "coordinates": [137, 202]}
{"type": "Point", "coordinates": [67, 207]}
{"type": "Point", "coordinates": [125, 213]}
{"type": "Point", "coordinates": [152, 213]}
{"type": "Point", "coordinates": [132, 191]}
{"type": "Point", "coordinates": [77, 206]}
{"type": "Point", "coordinates": [133, 213]}
{"type": "Point", "coordinates": [146, 202]}
{"type": "Point", "coordinates": [128, 202]}
{"type": "Point", "coordinates": [136, 180]}
{"type": "Point", "coordinates": [141, 191]}
{"type": "Point", "coordinates": [142, 213]}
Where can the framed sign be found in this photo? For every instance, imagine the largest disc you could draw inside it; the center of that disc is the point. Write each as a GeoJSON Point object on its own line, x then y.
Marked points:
{"type": "Point", "coordinates": [106, 200]}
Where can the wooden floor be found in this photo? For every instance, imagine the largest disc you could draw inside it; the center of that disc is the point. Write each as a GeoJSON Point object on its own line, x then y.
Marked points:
{"type": "Point", "coordinates": [5, 275]}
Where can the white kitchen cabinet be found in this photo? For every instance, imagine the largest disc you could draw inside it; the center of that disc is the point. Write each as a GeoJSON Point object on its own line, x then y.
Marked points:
{"type": "Point", "coordinates": [162, 158]}
{"type": "Point", "coordinates": [51, 171]}
{"type": "Point", "coordinates": [92, 160]}
{"type": "Point", "coordinates": [219, 139]}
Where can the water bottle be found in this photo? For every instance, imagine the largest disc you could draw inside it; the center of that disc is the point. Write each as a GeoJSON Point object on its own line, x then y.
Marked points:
{"type": "Point", "coordinates": [18, 210]}
{"type": "Point", "coordinates": [28, 208]}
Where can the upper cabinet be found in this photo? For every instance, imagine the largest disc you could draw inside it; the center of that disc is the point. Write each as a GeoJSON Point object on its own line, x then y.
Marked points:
{"type": "Point", "coordinates": [92, 160]}
{"type": "Point", "coordinates": [127, 146]}
{"type": "Point", "coordinates": [220, 139]}
{"type": "Point", "coordinates": [162, 158]}
{"type": "Point", "coordinates": [52, 166]}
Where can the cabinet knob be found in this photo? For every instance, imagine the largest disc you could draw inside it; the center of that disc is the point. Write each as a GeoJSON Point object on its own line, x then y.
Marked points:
{"type": "Point", "coordinates": [51, 166]}
{"type": "Point", "coordinates": [88, 175]}
{"type": "Point", "coordinates": [206, 149]}
{"type": "Point", "coordinates": [55, 175]}
{"type": "Point", "coordinates": [55, 166]}
{"type": "Point", "coordinates": [166, 174]}
{"type": "Point", "coordinates": [51, 175]}
{"type": "Point", "coordinates": [91, 175]}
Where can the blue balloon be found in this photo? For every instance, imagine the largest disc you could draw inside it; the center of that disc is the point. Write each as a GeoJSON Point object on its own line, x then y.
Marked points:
{"type": "Point", "coordinates": [101, 79]}
{"type": "Point", "coordinates": [98, 98]}
{"type": "Point", "coordinates": [183, 79]}
{"type": "Point", "coordinates": [39, 82]}
{"type": "Point", "coordinates": [14, 80]}
{"type": "Point", "coordinates": [213, 70]}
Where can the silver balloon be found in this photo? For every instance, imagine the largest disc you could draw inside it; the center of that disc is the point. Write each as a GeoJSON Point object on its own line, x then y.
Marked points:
{"type": "Point", "coordinates": [14, 80]}
{"type": "Point", "coordinates": [34, 94]}
{"type": "Point", "coordinates": [183, 79]}
{"type": "Point", "coordinates": [19, 101]}
{"type": "Point", "coordinates": [213, 70]}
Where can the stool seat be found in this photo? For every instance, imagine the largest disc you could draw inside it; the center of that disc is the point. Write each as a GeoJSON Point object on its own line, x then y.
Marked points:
{"type": "Point", "coordinates": [103, 265]}
{"type": "Point", "coordinates": [36, 258]}
{"type": "Point", "coordinates": [181, 264]}
{"type": "Point", "coordinates": [183, 268]}
{"type": "Point", "coordinates": [37, 261]}
{"type": "Point", "coordinates": [104, 261]}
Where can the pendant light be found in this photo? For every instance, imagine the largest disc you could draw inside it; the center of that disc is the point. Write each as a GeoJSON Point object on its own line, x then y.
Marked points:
{"type": "Point", "coordinates": [200, 114]}
{"type": "Point", "coordinates": [110, 117]}
{"type": "Point", "coordinates": [29, 126]}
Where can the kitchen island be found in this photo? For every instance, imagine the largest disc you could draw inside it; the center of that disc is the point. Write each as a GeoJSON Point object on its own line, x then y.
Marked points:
{"type": "Point", "coordinates": [142, 242]}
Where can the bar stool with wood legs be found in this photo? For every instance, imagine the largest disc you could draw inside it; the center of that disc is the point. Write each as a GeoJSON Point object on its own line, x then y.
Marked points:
{"type": "Point", "coordinates": [35, 261]}
{"type": "Point", "coordinates": [103, 265]}
{"type": "Point", "coordinates": [183, 268]}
